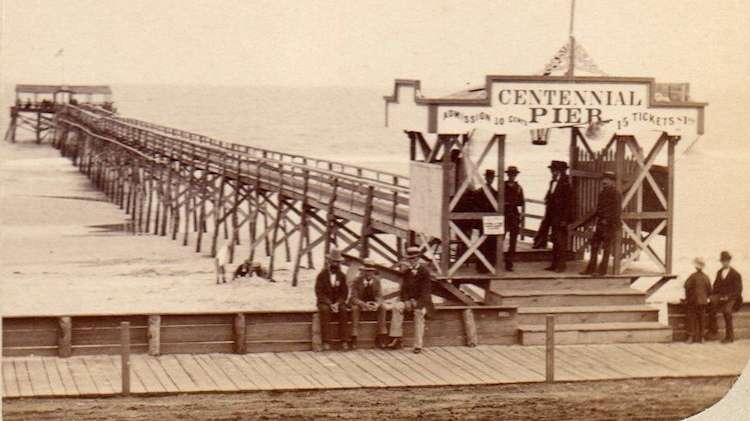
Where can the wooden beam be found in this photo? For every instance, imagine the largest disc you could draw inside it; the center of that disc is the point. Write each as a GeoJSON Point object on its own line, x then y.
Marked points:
{"type": "Point", "coordinates": [154, 335]}
{"type": "Point", "coordinates": [65, 337]}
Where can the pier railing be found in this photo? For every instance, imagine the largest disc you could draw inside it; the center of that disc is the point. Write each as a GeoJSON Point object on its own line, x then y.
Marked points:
{"type": "Point", "coordinates": [322, 164]}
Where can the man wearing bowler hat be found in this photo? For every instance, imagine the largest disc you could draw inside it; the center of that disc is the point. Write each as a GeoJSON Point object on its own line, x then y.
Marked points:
{"type": "Point", "coordinates": [559, 210]}
{"type": "Point", "coordinates": [514, 201]}
{"type": "Point", "coordinates": [608, 224]}
{"type": "Point", "coordinates": [332, 292]}
{"type": "Point", "coordinates": [416, 296]}
{"type": "Point", "coordinates": [726, 297]}
{"type": "Point", "coordinates": [367, 295]}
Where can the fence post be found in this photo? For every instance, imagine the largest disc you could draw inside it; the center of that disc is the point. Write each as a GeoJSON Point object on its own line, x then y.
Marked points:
{"type": "Point", "coordinates": [550, 348]}
{"type": "Point", "coordinates": [240, 334]}
{"type": "Point", "coordinates": [154, 334]}
{"type": "Point", "coordinates": [317, 338]}
{"type": "Point", "coordinates": [64, 340]}
{"type": "Point", "coordinates": [470, 328]}
{"type": "Point", "coordinates": [125, 356]}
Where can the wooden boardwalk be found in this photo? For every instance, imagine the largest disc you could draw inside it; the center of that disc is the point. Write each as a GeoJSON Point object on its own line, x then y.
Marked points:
{"type": "Point", "coordinates": [441, 366]}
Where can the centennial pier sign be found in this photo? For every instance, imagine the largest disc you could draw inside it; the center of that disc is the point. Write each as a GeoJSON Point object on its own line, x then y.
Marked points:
{"type": "Point", "coordinates": [512, 103]}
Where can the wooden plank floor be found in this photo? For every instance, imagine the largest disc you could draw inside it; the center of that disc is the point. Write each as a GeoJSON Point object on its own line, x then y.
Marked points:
{"type": "Point", "coordinates": [441, 366]}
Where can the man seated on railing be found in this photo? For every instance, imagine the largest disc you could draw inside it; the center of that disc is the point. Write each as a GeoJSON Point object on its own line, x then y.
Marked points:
{"type": "Point", "coordinates": [416, 296]}
{"type": "Point", "coordinates": [367, 295]}
{"type": "Point", "coordinates": [331, 293]}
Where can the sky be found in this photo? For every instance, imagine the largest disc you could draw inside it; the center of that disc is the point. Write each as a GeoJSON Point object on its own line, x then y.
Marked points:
{"type": "Point", "coordinates": [364, 43]}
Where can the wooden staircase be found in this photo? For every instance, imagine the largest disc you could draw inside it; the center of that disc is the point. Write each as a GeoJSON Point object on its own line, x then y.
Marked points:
{"type": "Point", "coordinates": [587, 310]}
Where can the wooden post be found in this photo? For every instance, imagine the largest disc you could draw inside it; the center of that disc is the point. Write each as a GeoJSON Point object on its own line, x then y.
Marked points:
{"type": "Point", "coordinates": [240, 334]}
{"type": "Point", "coordinates": [218, 211]}
{"type": "Point", "coordinates": [620, 184]}
{"type": "Point", "coordinates": [125, 356]}
{"type": "Point", "coordinates": [277, 221]}
{"type": "Point", "coordinates": [445, 230]}
{"type": "Point", "coordinates": [65, 337]}
{"type": "Point", "coordinates": [364, 239]}
{"type": "Point", "coordinates": [303, 231]}
{"type": "Point", "coordinates": [470, 328]}
{"type": "Point", "coordinates": [550, 349]}
{"type": "Point", "coordinates": [499, 256]}
{"type": "Point", "coordinates": [317, 336]}
{"type": "Point", "coordinates": [154, 334]}
{"type": "Point", "coordinates": [669, 246]}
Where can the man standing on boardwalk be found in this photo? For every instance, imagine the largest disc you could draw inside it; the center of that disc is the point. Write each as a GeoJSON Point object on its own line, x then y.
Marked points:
{"type": "Point", "coordinates": [608, 224]}
{"type": "Point", "coordinates": [514, 202]}
{"type": "Point", "coordinates": [697, 291]}
{"type": "Point", "coordinates": [725, 298]}
{"type": "Point", "coordinates": [559, 210]}
{"type": "Point", "coordinates": [332, 292]}
{"type": "Point", "coordinates": [416, 296]}
{"type": "Point", "coordinates": [367, 295]}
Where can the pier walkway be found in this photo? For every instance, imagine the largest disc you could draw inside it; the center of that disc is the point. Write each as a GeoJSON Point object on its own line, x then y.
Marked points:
{"type": "Point", "coordinates": [439, 366]}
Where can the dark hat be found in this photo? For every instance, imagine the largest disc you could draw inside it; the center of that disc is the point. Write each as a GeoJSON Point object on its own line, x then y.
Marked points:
{"type": "Point", "coordinates": [609, 174]}
{"type": "Point", "coordinates": [369, 265]}
{"type": "Point", "coordinates": [512, 170]}
{"type": "Point", "coordinates": [489, 173]}
{"type": "Point", "coordinates": [335, 255]}
{"type": "Point", "coordinates": [558, 165]}
{"type": "Point", "coordinates": [725, 256]}
{"type": "Point", "coordinates": [413, 251]}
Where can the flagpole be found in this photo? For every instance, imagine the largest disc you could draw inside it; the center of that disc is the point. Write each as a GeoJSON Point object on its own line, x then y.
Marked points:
{"type": "Point", "coordinates": [572, 53]}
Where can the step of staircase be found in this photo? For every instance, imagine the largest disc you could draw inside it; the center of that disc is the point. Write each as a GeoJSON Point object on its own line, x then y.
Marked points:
{"type": "Point", "coordinates": [597, 333]}
{"type": "Point", "coordinates": [568, 297]}
{"type": "Point", "coordinates": [589, 314]}
{"type": "Point", "coordinates": [561, 282]}
{"type": "Point", "coordinates": [539, 255]}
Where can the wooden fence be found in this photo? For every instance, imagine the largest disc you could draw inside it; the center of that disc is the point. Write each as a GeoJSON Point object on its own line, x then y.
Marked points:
{"type": "Point", "coordinates": [678, 322]}
{"type": "Point", "coordinates": [235, 332]}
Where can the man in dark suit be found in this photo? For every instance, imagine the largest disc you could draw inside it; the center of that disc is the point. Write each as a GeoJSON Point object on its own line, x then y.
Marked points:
{"type": "Point", "coordinates": [726, 297]}
{"type": "Point", "coordinates": [416, 296]}
{"type": "Point", "coordinates": [608, 224]}
{"type": "Point", "coordinates": [332, 292]}
{"type": "Point", "coordinates": [483, 204]}
{"type": "Point", "coordinates": [559, 210]}
{"type": "Point", "coordinates": [367, 295]}
{"type": "Point", "coordinates": [514, 202]}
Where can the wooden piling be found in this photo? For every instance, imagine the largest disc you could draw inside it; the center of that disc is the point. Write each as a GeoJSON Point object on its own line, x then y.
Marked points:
{"type": "Point", "coordinates": [317, 336]}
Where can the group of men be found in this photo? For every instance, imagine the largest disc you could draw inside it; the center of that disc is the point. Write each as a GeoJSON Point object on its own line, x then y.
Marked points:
{"type": "Point", "coordinates": [559, 215]}
{"type": "Point", "coordinates": [701, 298]}
{"type": "Point", "coordinates": [336, 299]}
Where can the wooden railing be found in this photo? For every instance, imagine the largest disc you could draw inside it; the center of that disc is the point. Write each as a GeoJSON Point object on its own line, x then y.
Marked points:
{"type": "Point", "coordinates": [317, 163]}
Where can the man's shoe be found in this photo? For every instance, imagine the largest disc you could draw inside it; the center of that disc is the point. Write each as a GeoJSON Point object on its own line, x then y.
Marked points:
{"type": "Point", "coordinates": [727, 340]}
{"type": "Point", "coordinates": [417, 350]}
{"type": "Point", "coordinates": [395, 343]}
{"type": "Point", "coordinates": [551, 268]}
{"type": "Point", "coordinates": [509, 268]}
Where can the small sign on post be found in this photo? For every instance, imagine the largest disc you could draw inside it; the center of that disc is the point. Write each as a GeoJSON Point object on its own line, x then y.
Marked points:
{"type": "Point", "coordinates": [493, 225]}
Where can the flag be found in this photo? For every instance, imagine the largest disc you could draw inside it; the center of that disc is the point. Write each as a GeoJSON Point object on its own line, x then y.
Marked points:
{"type": "Point", "coordinates": [59, 52]}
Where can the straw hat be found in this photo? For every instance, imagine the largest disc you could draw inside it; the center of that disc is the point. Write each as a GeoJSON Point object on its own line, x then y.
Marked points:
{"type": "Point", "coordinates": [413, 251]}
{"type": "Point", "coordinates": [699, 262]}
{"type": "Point", "coordinates": [369, 265]}
{"type": "Point", "coordinates": [335, 255]}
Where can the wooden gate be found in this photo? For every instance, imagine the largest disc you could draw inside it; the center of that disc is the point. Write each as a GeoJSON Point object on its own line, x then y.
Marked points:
{"type": "Point", "coordinates": [646, 182]}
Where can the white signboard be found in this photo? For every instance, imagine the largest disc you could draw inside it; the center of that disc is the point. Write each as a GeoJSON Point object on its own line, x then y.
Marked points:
{"type": "Point", "coordinates": [493, 225]}
{"type": "Point", "coordinates": [511, 104]}
{"type": "Point", "coordinates": [426, 198]}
